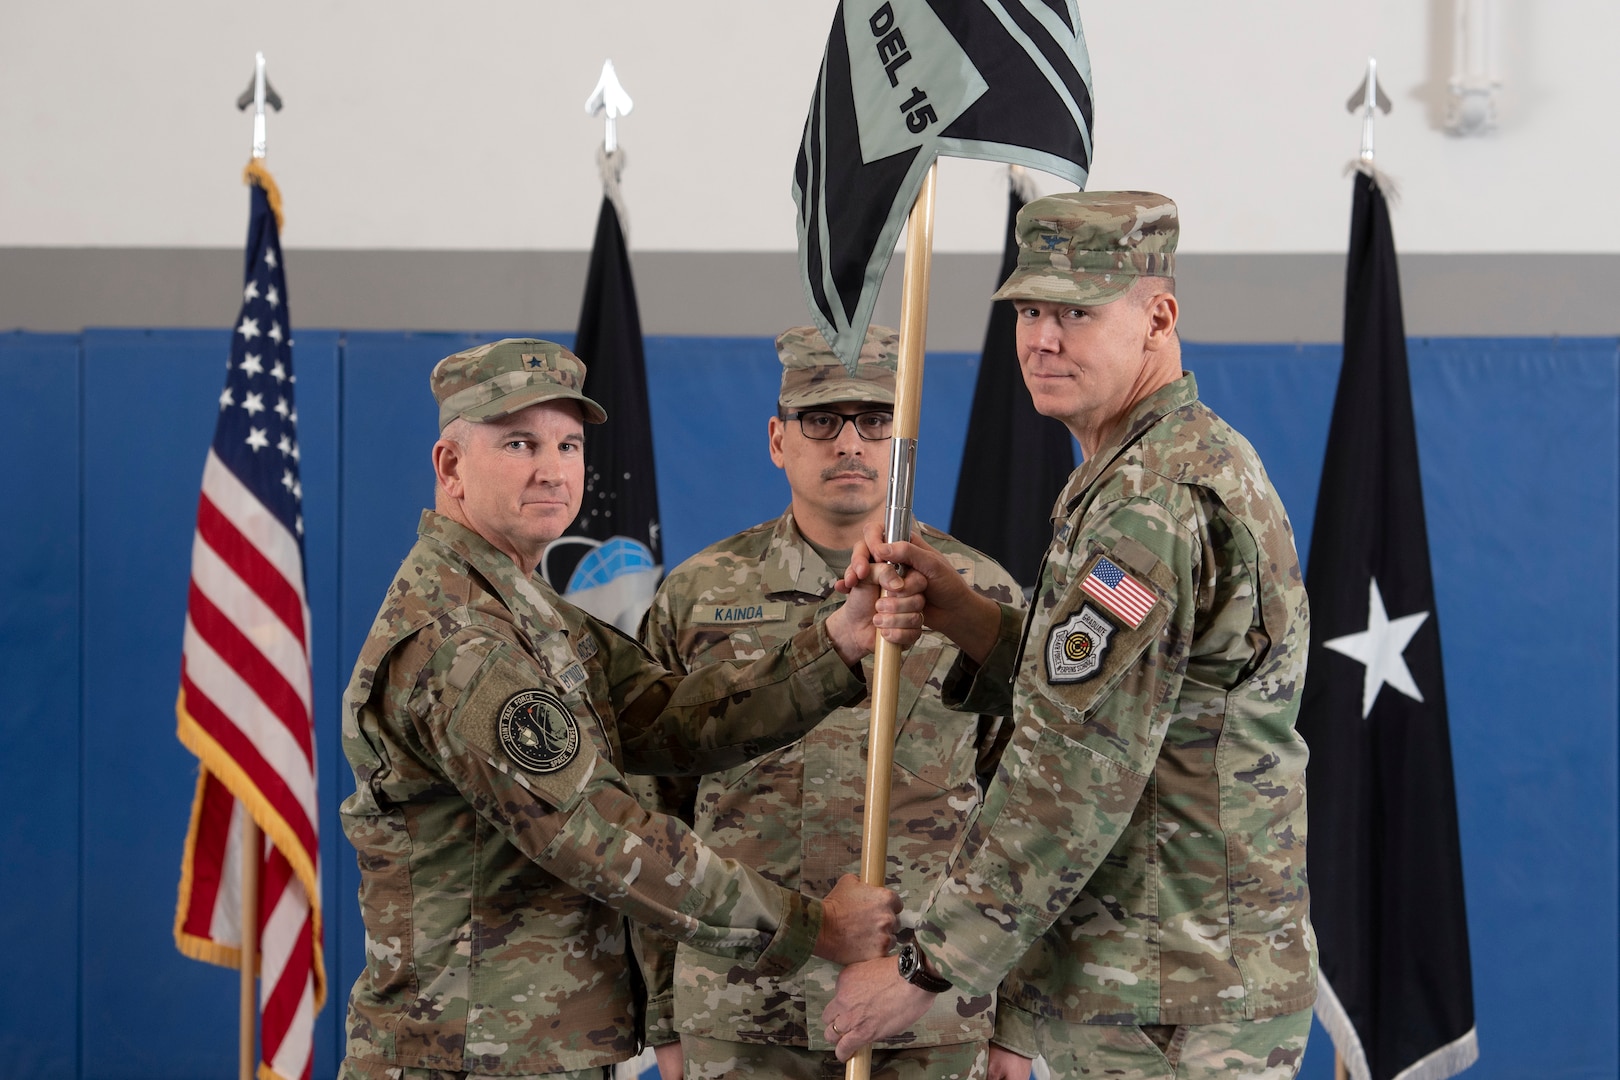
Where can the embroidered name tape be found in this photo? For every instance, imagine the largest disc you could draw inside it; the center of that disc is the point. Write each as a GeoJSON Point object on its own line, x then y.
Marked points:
{"type": "Point", "coordinates": [571, 676]}
{"type": "Point", "coordinates": [732, 614]}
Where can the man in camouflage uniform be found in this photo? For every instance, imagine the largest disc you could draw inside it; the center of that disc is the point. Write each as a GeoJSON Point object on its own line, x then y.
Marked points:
{"type": "Point", "coordinates": [795, 813]}
{"type": "Point", "coordinates": [1137, 871]}
{"type": "Point", "coordinates": [488, 723]}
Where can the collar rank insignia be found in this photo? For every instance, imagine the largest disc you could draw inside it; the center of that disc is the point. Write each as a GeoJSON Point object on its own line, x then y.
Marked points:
{"type": "Point", "coordinates": [1076, 646]}
{"type": "Point", "coordinates": [1117, 591]}
{"type": "Point", "coordinates": [537, 731]}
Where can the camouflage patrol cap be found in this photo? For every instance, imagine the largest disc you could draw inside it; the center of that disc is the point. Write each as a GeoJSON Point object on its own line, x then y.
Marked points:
{"type": "Point", "coordinates": [504, 376]}
{"type": "Point", "coordinates": [812, 374]}
{"type": "Point", "coordinates": [1090, 247]}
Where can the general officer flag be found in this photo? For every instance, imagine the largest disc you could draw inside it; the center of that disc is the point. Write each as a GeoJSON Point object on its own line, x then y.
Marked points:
{"type": "Point", "coordinates": [610, 561]}
{"type": "Point", "coordinates": [901, 82]}
{"type": "Point", "coordinates": [1018, 459]}
{"type": "Point", "coordinates": [1396, 991]}
{"type": "Point", "coordinates": [245, 707]}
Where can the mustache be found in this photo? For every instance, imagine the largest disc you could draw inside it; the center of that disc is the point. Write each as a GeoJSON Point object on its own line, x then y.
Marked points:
{"type": "Point", "coordinates": [849, 468]}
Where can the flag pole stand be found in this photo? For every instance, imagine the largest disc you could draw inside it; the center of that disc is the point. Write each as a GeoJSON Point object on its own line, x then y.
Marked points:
{"type": "Point", "coordinates": [902, 471]}
{"type": "Point", "coordinates": [250, 945]}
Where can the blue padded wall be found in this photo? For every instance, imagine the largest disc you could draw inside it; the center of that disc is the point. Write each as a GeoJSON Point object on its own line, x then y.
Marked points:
{"type": "Point", "coordinates": [1521, 468]}
{"type": "Point", "coordinates": [150, 399]}
{"type": "Point", "coordinates": [1520, 443]}
{"type": "Point", "coordinates": [39, 704]}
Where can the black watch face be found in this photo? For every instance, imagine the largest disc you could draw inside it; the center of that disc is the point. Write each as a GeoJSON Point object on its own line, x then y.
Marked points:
{"type": "Point", "coordinates": [908, 961]}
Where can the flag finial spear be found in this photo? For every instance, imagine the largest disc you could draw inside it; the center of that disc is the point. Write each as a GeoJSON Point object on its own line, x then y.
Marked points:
{"type": "Point", "coordinates": [609, 97]}
{"type": "Point", "coordinates": [259, 94]}
{"type": "Point", "coordinates": [1368, 97]}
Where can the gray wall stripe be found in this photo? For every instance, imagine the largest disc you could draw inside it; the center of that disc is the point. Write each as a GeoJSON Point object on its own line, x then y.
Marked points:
{"type": "Point", "coordinates": [1260, 298]}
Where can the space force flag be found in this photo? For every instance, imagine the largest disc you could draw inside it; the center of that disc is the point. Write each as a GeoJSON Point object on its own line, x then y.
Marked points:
{"type": "Point", "coordinates": [610, 560]}
{"type": "Point", "coordinates": [903, 81]}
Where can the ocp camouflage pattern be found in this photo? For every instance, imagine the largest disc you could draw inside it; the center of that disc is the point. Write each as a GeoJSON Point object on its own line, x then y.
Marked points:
{"type": "Point", "coordinates": [1089, 247]}
{"type": "Point", "coordinates": [502, 376]}
{"type": "Point", "coordinates": [495, 897]}
{"type": "Point", "coordinates": [1265, 1049]}
{"type": "Point", "coordinates": [812, 374]}
{"type": "Point", "coordinates": [795, 813]}
{"type": "Point", "coordinates": [1140, 855]}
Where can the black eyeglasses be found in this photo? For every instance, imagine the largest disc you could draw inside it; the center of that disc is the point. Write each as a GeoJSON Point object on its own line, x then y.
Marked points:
{"type": "Point", "coordinates": [824, 425]}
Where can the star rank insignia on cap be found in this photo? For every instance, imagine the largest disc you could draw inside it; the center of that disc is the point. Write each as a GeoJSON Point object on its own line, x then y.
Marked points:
{"type": "Point", "coordinates": [1076, 646]}
{"type": "Point", "coordinates": [538, 732]}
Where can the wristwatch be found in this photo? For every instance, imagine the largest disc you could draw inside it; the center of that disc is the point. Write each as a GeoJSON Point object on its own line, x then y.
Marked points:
{"type": "Point", "coordinates": [912, 970]}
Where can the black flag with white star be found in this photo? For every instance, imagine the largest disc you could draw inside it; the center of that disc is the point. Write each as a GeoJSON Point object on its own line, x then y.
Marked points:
{"type": "Point", "coordinates": [903, 81]}
{"type": "Point", "coordinates": [610, 562]}
{"type": "Point", "coordinates": [1396, 990]}
{"type": "Point", "coordinates": [1016, 460]}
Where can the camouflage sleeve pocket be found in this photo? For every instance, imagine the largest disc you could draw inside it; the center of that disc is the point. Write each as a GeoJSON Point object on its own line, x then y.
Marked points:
{"type": "Point", "coordinates": [931, 747]}
{"type": "Point", "coordinates": [1094, 646]}
{"type": "Point", "coordinates": [521, 726]}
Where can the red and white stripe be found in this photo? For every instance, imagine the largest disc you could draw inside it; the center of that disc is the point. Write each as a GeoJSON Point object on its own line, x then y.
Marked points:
{"type": "Point", "coordinates": [246, 711]}
{"type": "Point", "coordinates": [1127, 599]}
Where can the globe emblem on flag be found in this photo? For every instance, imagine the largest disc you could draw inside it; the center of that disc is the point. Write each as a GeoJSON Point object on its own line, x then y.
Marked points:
{"type": "Point", "coordinates": [616, 556]}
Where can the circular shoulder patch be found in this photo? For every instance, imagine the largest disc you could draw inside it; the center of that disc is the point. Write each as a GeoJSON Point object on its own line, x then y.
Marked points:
{"type": "Point", "coordinates": [538, 731]}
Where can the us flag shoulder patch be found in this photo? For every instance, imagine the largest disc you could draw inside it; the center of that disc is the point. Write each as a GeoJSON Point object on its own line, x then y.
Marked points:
{"type": "Point", "coordinates": [1117, 591]}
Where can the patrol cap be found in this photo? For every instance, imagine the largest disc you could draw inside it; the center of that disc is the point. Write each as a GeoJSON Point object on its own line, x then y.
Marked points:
{"type": "Point", "coordinates": [504, 376]}
{"type": "Point", "coordinates": [812, 374]}
{"type": "Point", "coordinates": [1090, 247]}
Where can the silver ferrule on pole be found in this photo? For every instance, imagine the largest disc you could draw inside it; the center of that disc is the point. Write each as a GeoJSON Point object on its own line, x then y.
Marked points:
{"type": "Point", "coordinates": [258, 105]}
{"type": "Point", "coordinates": [898, 521]}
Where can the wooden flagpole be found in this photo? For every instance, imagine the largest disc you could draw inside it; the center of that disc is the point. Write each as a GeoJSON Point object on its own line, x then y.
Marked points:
{"type": "Point", "coordinates": [902, 470]}
{"type": "Point", "coordinates": [249, 1016]}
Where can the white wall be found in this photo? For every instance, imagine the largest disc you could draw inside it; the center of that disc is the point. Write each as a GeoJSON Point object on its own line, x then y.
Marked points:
{"type": "Point", "coordinates": [414, 125]}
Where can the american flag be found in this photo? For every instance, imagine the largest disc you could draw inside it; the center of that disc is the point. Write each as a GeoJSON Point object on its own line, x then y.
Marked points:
{"type": "Point", "coordinates": [245, 706]}
{"type": "Point", "coordinates": [1117, 591]}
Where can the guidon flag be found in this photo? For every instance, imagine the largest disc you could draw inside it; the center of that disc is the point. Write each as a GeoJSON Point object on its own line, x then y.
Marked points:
{"type": "Point", "coordinates": [901, 82]}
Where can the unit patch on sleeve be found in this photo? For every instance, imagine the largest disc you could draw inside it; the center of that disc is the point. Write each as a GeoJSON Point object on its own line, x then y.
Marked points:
{"type": "Point", "coordinates": [1075, 647]}
{"type": "Point", "coordinates": [537, 731]}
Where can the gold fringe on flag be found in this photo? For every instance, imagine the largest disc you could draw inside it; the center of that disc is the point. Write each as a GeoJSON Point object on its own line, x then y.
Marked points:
{"type": "Point", "coordinates": [256, 173]}
{"type": "Point", "coordinates": [225, 768]}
